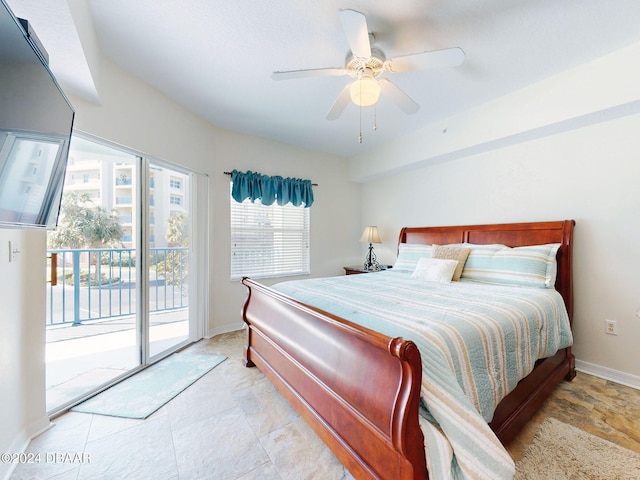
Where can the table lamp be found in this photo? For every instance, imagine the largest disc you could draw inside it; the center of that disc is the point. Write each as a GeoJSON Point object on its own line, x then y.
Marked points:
{"type": "Point", "coordinates": [370, 236]}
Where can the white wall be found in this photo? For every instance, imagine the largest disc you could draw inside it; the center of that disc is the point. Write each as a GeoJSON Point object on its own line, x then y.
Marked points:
{"type": "Point", "coordinates": [554, 151]}
{"type": "Point", "coordinates": [135, 115]}
{"type": "Point", "coordinates": [335, 214]}
{"type": "Point", "coordinates": [589, 175]}
{"type": "Point", "coordinates": [22, 338]}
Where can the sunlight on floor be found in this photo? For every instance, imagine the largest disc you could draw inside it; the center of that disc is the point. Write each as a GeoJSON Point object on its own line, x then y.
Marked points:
{"type": "Point", "coordinates": [81, 363]}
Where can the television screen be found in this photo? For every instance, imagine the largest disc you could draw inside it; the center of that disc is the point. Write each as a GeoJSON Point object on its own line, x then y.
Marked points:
{"type": "Point", "coordinates": [36, 120]}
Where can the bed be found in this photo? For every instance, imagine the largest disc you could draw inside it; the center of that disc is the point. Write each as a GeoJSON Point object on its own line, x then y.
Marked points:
{"type": "Point", "coordinates": [360, 390]}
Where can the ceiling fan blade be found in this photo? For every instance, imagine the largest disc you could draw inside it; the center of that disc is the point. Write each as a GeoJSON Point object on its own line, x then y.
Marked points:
{"type": "Point", "coordinates": [340, 104]}
{"type": "Point", "coordinates": [449, 57]}
{"type": "Point", "coordinates": [313, 72]}
{"type": "Point", "coordinates": [404, 101]}
{"type": "Point", "coordinates": [355, 28]}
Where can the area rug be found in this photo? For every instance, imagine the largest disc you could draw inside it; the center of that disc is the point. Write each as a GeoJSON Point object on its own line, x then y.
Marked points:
{"type": "Point", "coordinates": [145, 392]}
{"type": "Point", "coordinates": [562, 452]}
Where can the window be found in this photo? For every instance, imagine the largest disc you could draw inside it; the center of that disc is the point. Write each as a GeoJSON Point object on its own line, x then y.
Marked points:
{"type": "Point", "coordinates": [175, 183]}
{"type": "Point", "coordinates": [175, 200]}
{"type": "Point", "coordinates": [268, 241]}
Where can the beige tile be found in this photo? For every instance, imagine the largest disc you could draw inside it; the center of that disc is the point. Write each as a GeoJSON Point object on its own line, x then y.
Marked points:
{"type": "Point", "coordinates": [237, 376]}
{"type": "Point", "coordinates": [264, 472]}
{"type": "Point", "coordinates": [68, 475]}
{"type": "Point", "coordinates": [232, 424]}
{"type": "Point", "coordinates": [103, 426]}
{"type": "Point", "coordinates": [42, 470]}
{"type": "Point", "coordinates": [222, 446]}
{"type": "Point", "coordinates": [595, 405]}
{"type": "Point", "coordinates": [298, 453]}
{"type": "Point", "coordinates": [206, 397]}
{"type": "Point", "coordinates": [67, 436]}
{"type": "Point", "coordinates": [264, 407]}
{"type": "Point", "coordinates": [227, 344]}
{"type": "Point", "coordinates": [144, 451]}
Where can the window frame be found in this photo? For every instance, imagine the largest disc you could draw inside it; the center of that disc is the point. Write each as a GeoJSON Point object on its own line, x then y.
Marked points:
{"type": "Point", "coordinates": [289, 252]}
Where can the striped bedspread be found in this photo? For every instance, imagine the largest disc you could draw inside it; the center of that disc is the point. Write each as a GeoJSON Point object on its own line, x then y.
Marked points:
{"type": "Point", "coordinates": [479, 339]}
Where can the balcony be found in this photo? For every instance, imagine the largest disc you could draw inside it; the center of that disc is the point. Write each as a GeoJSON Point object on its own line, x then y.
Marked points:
{"type": "Point", "coordinates": [107, 282]}
{"type": "Point", "coordinates": [91, 313]}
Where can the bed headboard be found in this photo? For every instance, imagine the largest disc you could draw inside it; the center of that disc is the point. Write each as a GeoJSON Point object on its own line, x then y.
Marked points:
{"type": "Point", "coordinates": [512, 235]}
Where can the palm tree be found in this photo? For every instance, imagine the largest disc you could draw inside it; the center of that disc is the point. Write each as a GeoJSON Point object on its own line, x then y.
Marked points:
{"type": "Point", "coordinates": [84, 224]}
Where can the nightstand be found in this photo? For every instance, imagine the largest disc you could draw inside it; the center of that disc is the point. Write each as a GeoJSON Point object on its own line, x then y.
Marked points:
{"type": "Point", "coordinates": [357, 269]}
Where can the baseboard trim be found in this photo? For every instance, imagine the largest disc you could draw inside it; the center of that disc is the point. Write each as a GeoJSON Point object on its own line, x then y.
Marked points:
{"type": "Point", "coordinates": [606, 373]}
{"type": "Point", "coordinates": [21, 442]}
{"type": "Point", "coordinates": [227, 328]}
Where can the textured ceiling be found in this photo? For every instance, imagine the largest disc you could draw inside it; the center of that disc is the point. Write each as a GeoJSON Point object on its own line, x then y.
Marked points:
{"type": "Point", "coordinates": [215, 57]}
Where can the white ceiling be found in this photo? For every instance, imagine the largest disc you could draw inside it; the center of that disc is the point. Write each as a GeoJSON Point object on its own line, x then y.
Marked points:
{"type": "Point", "coordinates": [215, 57]}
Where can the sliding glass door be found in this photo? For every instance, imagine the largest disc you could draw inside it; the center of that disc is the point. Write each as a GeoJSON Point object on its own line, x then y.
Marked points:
{"type": "Point", "coordinates": [92, 321]}
{"type": "Point", "coordinates": [120, 267]}
{"type": "Point", "coordinates": [169, 205]}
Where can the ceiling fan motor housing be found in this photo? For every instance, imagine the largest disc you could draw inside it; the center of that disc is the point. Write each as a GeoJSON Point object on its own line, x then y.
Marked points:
{"type": "Point", "coordinates": [375, 63]}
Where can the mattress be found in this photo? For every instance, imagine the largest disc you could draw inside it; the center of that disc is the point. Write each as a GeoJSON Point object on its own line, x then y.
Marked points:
{"type": "Point", "coordinates": [476, 341]}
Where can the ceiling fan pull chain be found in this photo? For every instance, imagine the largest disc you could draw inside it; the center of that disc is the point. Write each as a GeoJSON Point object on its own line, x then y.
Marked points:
{"type": "Point", "coordinates": [360, 111]}
{"type": "Point", "coordinates": [375, 118]}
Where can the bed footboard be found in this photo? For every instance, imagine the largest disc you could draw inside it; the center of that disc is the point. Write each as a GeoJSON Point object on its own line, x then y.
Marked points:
{"type": "Point", "coordinates": [358, 389]}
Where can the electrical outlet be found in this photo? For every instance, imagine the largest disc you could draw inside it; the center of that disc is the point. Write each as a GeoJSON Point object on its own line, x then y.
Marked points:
{"type": "Point", "coordinates": [610, 327]}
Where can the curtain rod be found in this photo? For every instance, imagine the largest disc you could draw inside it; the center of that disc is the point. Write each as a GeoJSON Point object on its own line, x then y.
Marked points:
{"type": "Point", "coordinates": [229, 173]}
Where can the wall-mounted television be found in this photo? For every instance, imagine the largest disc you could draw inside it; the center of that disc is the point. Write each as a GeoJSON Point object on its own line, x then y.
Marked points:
{"type": "Point", "coordinates": [36, 120]}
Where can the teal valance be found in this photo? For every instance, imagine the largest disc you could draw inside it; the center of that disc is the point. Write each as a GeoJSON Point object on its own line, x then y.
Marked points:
{"type": "Point", "coordinates": [267, 190]}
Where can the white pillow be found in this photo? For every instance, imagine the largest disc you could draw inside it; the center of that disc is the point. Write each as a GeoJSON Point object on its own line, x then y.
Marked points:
{"type": "Point", "coordinates": [435, 269]}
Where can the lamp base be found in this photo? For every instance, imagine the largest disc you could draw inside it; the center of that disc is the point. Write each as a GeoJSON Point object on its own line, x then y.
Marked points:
{"type": "Point", "coordinates": [370, 263]}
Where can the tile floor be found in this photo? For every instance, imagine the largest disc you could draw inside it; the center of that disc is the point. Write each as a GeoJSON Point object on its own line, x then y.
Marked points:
{"type": "Point", "coordinates": [232, 424]}
{"type": "Point", "coordinates": [600, 407]}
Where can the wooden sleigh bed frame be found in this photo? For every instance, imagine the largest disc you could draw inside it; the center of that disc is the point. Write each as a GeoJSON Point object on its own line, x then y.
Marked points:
{"type": "Point", "coordinates": [324, 365]}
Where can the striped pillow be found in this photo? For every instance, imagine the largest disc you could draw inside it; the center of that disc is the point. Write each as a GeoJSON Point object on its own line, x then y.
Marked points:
{"type": "Point", "coordinates": [531, 266]}
{"type": "Point", "coordinates": [409, 254]}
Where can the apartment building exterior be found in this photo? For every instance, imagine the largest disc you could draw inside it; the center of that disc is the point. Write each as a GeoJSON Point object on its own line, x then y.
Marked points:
{"type": "Point", "coordinates": [112, 183]}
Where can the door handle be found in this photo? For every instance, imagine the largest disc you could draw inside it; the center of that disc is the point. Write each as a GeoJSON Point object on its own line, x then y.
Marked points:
{"type": "Point", "coordinates": [53, 275]}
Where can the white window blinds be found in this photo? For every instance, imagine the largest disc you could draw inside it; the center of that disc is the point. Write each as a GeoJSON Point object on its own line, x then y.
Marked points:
{"type": "Point", "coordinates": [268, 241]}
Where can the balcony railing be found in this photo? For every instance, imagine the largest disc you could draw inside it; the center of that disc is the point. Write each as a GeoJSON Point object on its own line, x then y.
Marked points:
{"type": "Point", "coordinates": [96, 284]}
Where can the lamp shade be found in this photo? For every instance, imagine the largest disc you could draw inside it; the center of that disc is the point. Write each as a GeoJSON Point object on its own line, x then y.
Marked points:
{"type": "Point", "coordinates": [365, 91]}
{"type": "Point", "coordinates": [370, 235]}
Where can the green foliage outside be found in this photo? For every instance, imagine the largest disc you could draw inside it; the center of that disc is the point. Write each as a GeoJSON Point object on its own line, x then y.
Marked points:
{"type": "Point", "coordinates": [84, 224]}
{"type": "Point", "coordinates": [176, 263]}
{"type": "Point", "coordinates": [95, 280]}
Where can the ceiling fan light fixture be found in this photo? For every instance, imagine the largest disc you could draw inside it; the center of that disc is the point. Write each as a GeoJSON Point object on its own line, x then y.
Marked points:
{"type": "Point", "coordinates": [365, 91]}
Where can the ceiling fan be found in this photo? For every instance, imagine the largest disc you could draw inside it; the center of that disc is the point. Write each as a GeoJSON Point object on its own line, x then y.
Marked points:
{"type": "Point", "coordinates": [366, 62]}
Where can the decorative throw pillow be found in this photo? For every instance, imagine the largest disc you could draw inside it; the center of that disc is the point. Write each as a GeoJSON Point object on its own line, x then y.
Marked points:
{"type": "Point", "coordinates": [435, 269]}
{"type": "Point", "coordinates": [409, 254]}
{"type": "Point", "coordinates": [449, 252]}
